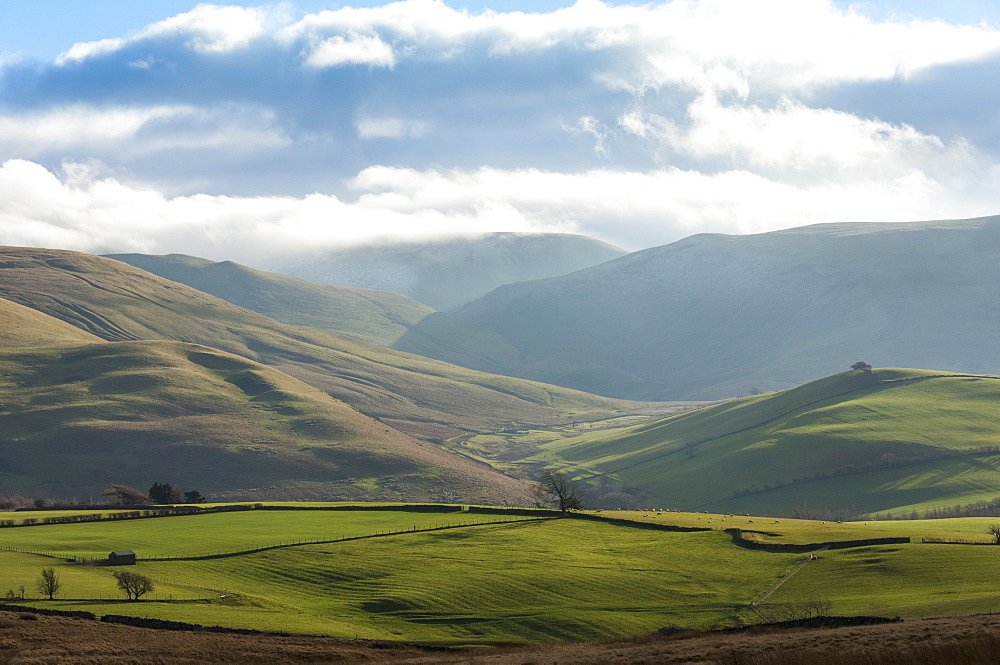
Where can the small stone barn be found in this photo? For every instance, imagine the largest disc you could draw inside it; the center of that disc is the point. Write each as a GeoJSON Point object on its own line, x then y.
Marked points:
{"type": "Point", "coordinates": [121, 558]}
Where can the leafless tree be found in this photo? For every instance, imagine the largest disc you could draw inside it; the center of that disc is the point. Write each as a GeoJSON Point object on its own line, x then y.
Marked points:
{"type": "Point", "coordinates": [133, 584]}
{"type": "Point", "coordinates": [48, 583]}
{"type": "Point", "coordinates": [555, 489]}
{"type": "Point", "coordinates": [123, 495]}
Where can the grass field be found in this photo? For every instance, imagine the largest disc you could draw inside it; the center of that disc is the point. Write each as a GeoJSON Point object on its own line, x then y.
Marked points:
{"type": "Point", "coordinates": [800, 532]}
{"type": "Point", "coordinates": [904, 580]}
{"type": "Point", "coordinates": [522, 582]}
{"type": "Point", "coordinates": [890, 440]}
{"type": "Point", "coordinates": [532, 581]}
{"type": "Point", "coordinates": [221, 532]}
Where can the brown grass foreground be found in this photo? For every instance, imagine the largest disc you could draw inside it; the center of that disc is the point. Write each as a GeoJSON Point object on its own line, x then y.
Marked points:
{"type": "Point", "coordinates": [27, 638]}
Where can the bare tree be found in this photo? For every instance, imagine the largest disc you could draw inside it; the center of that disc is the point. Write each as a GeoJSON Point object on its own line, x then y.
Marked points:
{"type": "Point", "coordinates": [123, 495]}
{"type": "Point", "coordinates": [133, 584]}
{"type": "Point", "coordinates": [555, 489]}
{"type": "Point", "coordinates": [48, 583]}
{"type": "Point", "coordinates": [995, 532]}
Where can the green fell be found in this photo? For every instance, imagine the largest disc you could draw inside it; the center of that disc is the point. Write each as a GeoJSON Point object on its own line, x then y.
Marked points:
{"type": "Point", "coordinates": [888, 440]}
{"type": "Point", "coordinates": [379, 317]}
{"type": "Point", "coordinates": [430, 399]}
{"type": "Point", "coordinates": [79, 416]}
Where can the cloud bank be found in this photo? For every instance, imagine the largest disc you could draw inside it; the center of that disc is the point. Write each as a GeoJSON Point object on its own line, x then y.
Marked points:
{"type": "Point", "coordinates": [635, 124]}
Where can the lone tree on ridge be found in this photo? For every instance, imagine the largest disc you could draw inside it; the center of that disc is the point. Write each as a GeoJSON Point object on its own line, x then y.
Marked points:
{"type": "Point", "coordinates": [555, 489]}
{"type": "Point", "coordinates": [48, 583]}
{"type": "Point", "coordinates": [133, 584]}
{"type": "Point", "coordinates": [862, 365]}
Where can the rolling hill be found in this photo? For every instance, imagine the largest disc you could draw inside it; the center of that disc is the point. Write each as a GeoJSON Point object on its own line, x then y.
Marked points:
{"type": "Point", "coordinates": [380, 317]}
{"type": "Point", "coordinates": [450, 272]}
{"type": "Point", "coordinates": [423, 397]}
{"type": "Point", "coordinates": [887, 440]}
{"type": "Point", "coordinates": [79, 413]}
{"type": "Point", "coordinates": [715, 316]}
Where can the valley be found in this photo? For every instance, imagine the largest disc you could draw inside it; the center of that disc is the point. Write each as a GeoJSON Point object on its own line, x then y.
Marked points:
{"type": "Point", "coordinates": [731, 507]}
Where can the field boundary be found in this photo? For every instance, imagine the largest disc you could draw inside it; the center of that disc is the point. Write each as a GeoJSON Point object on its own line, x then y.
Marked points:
{"type": "Point", "coordinates": [640, 525]}
{"type": "Point", "coordinates": [295, 543]}
{"type": "Point", "coordinates": [115, 514]}
{"type": "Point", "coordinates": [740, 541]}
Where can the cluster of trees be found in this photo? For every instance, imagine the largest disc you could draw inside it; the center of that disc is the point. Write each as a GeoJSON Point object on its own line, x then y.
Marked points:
{"type": "Point", "coordinates": [135, 585]}
{"type": "Point", "coordinates": [159, 493]}
{"type": "Point", "coordinates": [165, 493]}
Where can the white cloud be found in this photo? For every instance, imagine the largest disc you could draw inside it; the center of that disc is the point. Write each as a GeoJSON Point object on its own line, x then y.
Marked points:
{"type": "Point", "coordinates": [87, 210]}
{"type": "Point", "coordinates": [207, 29]}
{"type": "Point", "coordinates": [704, 44]}
{"type": "Point", "coordinates": [352, 49]}
{"type": "Point", "coordinates": [139, 130]}
{"type": "Point", "coordinates": [792, 140]}
{"type": "Point", "coordinates": [720, 93]}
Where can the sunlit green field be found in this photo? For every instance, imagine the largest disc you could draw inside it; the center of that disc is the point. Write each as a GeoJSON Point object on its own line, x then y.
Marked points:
{"type": "Point", "coordinates": [904, 580]}
{"type": "Point", "coordinates": [798, 532]}
{"type": "Point", "coordinates": [531, 581]}
{"type": "Point", "coordinates": [520, 582]}
{"type": "Point", "coordinates": [197, 535]}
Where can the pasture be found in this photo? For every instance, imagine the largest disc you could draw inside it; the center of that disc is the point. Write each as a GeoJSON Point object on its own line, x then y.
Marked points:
{"type": "Point", "coordinates": [216, 533]}
{"type": "Point", "coordinates": [536, 580]}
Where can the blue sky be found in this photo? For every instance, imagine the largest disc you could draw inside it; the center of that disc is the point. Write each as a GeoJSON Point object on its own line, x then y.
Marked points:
{"type": "Point", "coordinates": [252, 131]}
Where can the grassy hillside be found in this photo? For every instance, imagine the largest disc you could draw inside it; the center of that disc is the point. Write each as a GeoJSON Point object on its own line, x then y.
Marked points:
{"type": "Point", "coordinates": [22, 326]}
{"type": "Point", "coordinates": [715, 316]}
{"type": "Point", "coordinates": [427, 398]}
{"type": "Point", "coordinates": [450, 272]}
{"type": "Point", "coordinates": [380, 317]}
{"type": "Point", "coordinates": [888, 440]}
{"type": "Point", "coordinates": [536, 581]}
{"type": "Point", "coordinates": [77, 417]}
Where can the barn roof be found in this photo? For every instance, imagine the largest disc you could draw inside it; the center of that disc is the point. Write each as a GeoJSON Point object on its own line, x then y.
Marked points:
{"type": "Point", "coordinates": [123, 553]}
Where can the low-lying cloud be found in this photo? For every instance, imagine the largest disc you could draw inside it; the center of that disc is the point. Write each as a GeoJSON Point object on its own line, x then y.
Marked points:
{"type": "Point", "coordinates": [239, 133]}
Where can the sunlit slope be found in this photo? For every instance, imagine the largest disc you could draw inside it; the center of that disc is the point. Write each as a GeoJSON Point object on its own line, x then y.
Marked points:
{"type": "Point", "coordinates": [425, 397]}
{"type": "Point", "coordinates": [76, 418]}
{"type": "Point", "coordinates": [380, 317]}
{"type": "Point", "coordinates": [886, 440]}
{"type": "Point", "coordinates": [22, 326]}
{"type": "Point", "coordinates": [717, 316]}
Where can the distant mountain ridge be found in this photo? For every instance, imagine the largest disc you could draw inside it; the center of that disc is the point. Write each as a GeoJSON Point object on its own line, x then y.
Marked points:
{"type": "Point", "coordinates": [714, 316]}
{"type": "Point", "coordinates": [449, 272]}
